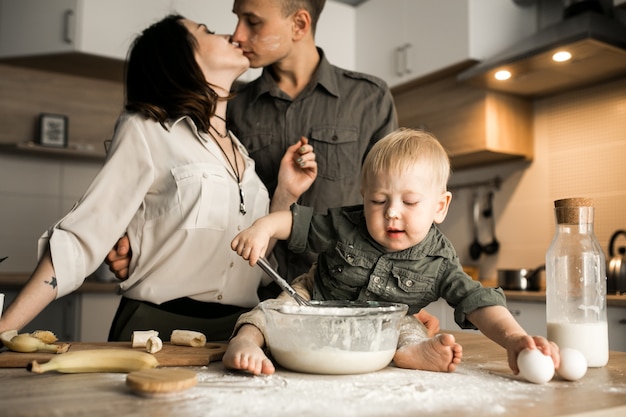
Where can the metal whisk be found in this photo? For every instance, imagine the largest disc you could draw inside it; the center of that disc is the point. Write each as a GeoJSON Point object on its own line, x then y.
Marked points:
{"type": "Point", "coordinates": [284, 285]}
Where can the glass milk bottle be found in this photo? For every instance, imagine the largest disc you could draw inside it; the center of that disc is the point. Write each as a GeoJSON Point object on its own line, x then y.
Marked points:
{"type": "Point", "coordinates": [576, 283]}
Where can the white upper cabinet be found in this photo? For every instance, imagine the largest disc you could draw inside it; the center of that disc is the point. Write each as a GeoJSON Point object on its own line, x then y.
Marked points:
{"type": "Point", "coordinates": [105, 29]}
{"type": "Point", "coordinates": [402, 40]}
{"type": "Point", "coordinates": [336, 34]}
{"type": "Point", "coordinates": [102, 28]}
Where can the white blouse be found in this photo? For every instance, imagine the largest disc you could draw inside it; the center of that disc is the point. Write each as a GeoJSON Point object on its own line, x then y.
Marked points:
{"type": "Point", "coordinates": [177, 198]}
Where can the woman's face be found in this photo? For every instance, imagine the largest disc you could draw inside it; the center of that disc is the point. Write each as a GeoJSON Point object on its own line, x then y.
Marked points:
{"type": "Point", "coordinates": [215, 54]}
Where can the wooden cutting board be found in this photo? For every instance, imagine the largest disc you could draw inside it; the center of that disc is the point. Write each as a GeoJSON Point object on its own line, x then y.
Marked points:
{"type": "Point", "coordinates": [170, 355]}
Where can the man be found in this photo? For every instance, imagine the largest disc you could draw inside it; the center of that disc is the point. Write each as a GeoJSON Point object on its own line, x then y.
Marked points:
{"type": "Point", "coordinates": [342, 113]}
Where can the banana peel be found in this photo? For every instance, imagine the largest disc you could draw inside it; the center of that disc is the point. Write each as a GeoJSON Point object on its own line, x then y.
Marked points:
{"type": "Point", "coordinates": [38, 341]}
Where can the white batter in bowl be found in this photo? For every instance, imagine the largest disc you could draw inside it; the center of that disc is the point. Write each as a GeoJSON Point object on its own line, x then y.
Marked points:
{"type": "Point", "coordinates": [332, 337]}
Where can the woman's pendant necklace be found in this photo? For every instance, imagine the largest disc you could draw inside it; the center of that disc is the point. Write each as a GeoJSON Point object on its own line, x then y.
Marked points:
{"type": "Point", "coordinates": [235, 168]}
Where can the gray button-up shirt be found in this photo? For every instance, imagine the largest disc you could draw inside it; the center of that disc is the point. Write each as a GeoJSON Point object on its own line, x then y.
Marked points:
{"type": "Point", "coordinates": [352, 266]}
{"type": "Point", "coordinates": [342, 113]}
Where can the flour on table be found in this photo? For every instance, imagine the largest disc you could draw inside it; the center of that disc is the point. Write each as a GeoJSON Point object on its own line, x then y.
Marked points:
{"type": "Point", "coordinates": [389, 392]}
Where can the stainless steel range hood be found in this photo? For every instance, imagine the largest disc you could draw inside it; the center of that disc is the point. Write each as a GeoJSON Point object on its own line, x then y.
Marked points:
{"type": "Point", "coordinates": [593, 32]}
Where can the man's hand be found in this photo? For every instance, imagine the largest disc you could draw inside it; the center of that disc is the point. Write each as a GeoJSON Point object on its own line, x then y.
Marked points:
{"type": "Point", "coordinates": [119, 257]}
{"type": "Point", "coordinates": [431, 322]}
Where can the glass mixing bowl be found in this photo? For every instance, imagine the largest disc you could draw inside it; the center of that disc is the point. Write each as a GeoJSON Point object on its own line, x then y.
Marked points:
{"type": "Point", "coordinates": [333, 337]}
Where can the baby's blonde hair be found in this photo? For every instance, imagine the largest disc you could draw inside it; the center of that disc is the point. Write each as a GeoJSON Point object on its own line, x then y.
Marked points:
{"type": "Point", "coordinates": [403, 148]}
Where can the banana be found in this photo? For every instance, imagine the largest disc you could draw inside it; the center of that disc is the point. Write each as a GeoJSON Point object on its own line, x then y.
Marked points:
{"type": "Point", "coordinates": [187, 338]}
{"type": "Point", "coordinates": [97, 360]}
{"type": "Point", "coordinates": [45, 336]}
{"type": "Point", "coordinates": [154, 344]}
{"type": "Point", "coordinates": [25, 342]}
{"type": "Point", "coordinates": [139, 338]}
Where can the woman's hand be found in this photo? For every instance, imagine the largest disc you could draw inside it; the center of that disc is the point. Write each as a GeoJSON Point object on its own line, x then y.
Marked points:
{"type": "Point", "coordinates": [298, 170]}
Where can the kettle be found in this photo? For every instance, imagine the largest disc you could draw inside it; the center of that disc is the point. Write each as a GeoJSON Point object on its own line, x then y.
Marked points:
{"type": "Point", "coordinates": [616, 269]}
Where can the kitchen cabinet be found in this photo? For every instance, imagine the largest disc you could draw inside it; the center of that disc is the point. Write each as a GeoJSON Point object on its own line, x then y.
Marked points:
{"type": "Point", "coordinates": [102, 28]}
{"type": "Point", "coordinates": [91, 37]}
{"type": "Point", "coordinates": [616, 317]}
{"type": "Point", "coordinates": [96, 315]}
{"type": "Point", "coordinates": [476, 126]}
{"type": "Point", "coordinates": [403, 40]}
{"type": "Point", "coordinates": [81, 37]}
{"type": "Point", "coordinates": [445, 314]}
{"type": "Point", "coordinates": [531, 316]}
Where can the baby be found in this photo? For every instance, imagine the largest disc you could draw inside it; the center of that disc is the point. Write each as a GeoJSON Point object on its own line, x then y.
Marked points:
{"type": "Point", "coordinates": [387, 249]}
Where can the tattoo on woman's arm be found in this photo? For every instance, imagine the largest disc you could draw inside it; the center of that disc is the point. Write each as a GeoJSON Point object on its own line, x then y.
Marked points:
{"type": "Point", "coordinates": [52, 282]}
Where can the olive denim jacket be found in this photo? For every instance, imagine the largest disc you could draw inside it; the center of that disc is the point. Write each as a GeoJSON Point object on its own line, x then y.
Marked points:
{"type": "Point", "coordinates": [352, 266]}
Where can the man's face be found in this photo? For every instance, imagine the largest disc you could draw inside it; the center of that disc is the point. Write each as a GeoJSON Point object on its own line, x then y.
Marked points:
{"type": "Point", "coordinates": [262, 32]}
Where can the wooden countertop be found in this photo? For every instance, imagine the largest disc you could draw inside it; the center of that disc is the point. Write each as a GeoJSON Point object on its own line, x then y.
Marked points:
{"type": "Point", "coordinates": [540, 297]}
{"type": "Point", "coordinates": [15, 281]}
{"type": "Point", "coordinates": [612, 300]}
{"type": "Point", "coordinates": [482, 386]}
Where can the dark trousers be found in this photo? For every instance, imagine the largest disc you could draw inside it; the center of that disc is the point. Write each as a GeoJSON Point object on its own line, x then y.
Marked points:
{"type": "Point", "coordinates": [215, 321]}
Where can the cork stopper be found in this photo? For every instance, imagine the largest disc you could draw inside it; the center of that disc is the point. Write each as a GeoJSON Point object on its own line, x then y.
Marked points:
{"type": "Point", "coordinates": [568, 209]}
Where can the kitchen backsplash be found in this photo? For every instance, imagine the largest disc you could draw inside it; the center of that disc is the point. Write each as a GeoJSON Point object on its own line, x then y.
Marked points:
{"type": "Point", "coordinates": [580, 143]}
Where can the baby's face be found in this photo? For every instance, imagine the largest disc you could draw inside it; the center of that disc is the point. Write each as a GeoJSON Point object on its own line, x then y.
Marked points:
{"type": "Point", "coordinates": [400, 208]}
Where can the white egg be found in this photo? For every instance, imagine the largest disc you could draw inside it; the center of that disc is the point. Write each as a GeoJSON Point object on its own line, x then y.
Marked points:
{"type": "Point", "coordinates": [534, 366]}
{"type": "Point", "coordinates": [573, 365]}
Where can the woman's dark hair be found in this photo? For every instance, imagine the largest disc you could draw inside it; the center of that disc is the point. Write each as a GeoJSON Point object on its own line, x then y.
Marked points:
{"type": "Point", "coordinates": [163, 79]}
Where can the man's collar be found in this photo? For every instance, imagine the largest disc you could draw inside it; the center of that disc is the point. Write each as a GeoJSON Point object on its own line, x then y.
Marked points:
{"type": "Point", "coordinates": [323, 76]}
{"type": "Point", "coordinates": [326, 75]}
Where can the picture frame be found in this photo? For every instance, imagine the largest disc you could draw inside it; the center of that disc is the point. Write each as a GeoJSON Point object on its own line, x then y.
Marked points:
{"type": "Point", "coordinates": [53, 130]}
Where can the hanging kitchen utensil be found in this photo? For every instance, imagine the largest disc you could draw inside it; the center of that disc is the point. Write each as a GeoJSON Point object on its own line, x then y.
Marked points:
{"type": "Point", "coordinates": [475, 249]}
{"type": "Point", "coordinates": [493, 246]}
{"type": "Point", "coordinates": [284, 285]}
{"type": "Point", "coordinates": [616, 269]}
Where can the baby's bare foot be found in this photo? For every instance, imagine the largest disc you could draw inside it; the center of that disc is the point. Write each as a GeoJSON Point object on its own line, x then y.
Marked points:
{"type": "Point", "coordinates": [243, 354]}
{"type": "Point", "coordinates": [440, 353]}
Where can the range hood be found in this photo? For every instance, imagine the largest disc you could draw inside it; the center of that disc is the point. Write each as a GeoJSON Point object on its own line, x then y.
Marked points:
{"type": "Point", "coordinates": [592, 31]}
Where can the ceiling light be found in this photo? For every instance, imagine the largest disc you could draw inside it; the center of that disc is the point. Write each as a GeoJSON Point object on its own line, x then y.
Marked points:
{"type": "Point", "coordinates": [502, 75]}
{"type": "Point", "coordinates": [561, 56]}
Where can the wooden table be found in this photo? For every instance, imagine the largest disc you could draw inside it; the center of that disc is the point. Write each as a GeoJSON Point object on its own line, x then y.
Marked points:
{"type": "Point", "coordinates": [482, 386]}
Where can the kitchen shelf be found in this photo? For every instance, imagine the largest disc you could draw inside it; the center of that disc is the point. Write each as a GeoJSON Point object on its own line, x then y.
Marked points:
{"type": "Point", "coordinates": [31, 148]}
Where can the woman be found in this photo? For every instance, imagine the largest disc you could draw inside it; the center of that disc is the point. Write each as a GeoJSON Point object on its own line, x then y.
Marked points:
{"type": "Point", "coordinates": [180, 185]}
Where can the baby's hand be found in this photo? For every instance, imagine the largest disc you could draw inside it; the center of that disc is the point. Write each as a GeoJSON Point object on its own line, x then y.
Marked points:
{"type": "Point", "coordinates": [516, 344]}
{"type": "Point", "coordinates": [251, 243]}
